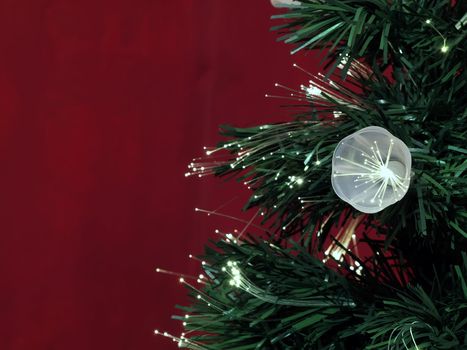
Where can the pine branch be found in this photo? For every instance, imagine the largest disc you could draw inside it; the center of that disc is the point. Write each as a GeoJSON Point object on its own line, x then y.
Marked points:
{"type": "Point", "coordinates": [382, 32]}
{"type": "Point", "coordinates": [404, 68]}
{"type": "Point", "coordinates": [288, 165]}
{"type": "Point", "coordinates": [263, 296]}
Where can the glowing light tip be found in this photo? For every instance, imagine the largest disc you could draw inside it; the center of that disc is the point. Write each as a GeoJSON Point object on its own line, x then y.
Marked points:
{"type": "Point", "coordinates": [386, 173]}
{"type": "Point", "coordinates": [428, 21]}
{"type": "Point", "coordinates": [181, 279]}
{"type": "Point", "coordinates": [444, 48]}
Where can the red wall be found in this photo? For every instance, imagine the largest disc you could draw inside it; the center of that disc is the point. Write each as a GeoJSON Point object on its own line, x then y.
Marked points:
{"type": "Point", "coordinates": [102, 106]}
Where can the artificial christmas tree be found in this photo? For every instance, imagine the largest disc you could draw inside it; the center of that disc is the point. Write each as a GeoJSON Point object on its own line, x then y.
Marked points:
{"type": "Point", "coordinates": [362, 194]}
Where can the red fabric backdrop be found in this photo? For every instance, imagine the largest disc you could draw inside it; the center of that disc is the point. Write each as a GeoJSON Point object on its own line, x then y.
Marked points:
{"type": "Point", "coordinates": [102, 106]}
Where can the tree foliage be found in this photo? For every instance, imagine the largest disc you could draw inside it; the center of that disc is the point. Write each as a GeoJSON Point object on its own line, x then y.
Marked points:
{"type": "Point", "coordinates": [395, 64]}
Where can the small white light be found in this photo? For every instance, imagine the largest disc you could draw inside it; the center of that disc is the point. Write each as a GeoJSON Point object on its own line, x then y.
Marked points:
{"type": "Point", "coordinates": [313, 90]}
{"type": "Point", "coordinates": [444, 48]}
{"type": "Point", "coordinates": [337, 114]}
{"type": "Point", "coordinates": [386, 173]}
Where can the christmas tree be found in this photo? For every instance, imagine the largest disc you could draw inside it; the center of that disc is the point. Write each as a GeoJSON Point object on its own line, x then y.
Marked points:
{"type": "Point", "coordinates": [361, 194]}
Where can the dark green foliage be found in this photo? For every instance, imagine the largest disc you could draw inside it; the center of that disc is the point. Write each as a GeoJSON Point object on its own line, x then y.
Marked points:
{"type": "Point", "coordinates": [315, 307]}
{"type": "Point", "coordinates": [404, 62]}
{"type": "Point", "coordinates": [414, 317]}
{"type": "Point", "coordinates": [381, 31]}
{"type": "Point", "coordinates": [288, 153]}
{"type": "Point", "coordinates": [433, 211]}
{"type": "Point", "coordinates": [423, 104]}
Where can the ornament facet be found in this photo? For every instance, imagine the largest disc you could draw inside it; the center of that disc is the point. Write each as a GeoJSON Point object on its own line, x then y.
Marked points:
{"type": "Point", "coordinates": [371, 169]}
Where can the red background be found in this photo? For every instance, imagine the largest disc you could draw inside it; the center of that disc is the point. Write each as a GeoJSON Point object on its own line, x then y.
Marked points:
{"type": "Point", "coordinates": [102, 106]}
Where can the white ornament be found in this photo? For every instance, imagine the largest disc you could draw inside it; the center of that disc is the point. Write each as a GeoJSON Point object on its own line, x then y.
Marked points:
{"type": "Point", "coordinates": [371, 169]}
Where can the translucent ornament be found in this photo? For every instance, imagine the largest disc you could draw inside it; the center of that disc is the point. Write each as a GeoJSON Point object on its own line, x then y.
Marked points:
{"type": "Point", "coordinates": [371, 169]}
